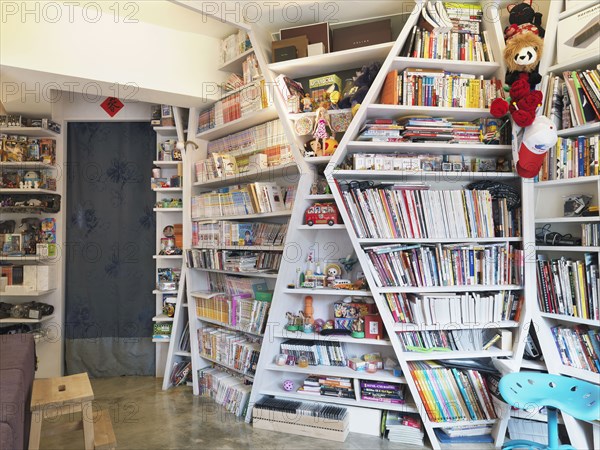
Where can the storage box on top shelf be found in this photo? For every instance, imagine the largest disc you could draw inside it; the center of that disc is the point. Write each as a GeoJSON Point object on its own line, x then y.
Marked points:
{"type": "Point", "coordinates": [578, 34]}
{"type": "Point", "coordinates": [362, 35]}
{"type": "Point", "coordinates": [315, 33]}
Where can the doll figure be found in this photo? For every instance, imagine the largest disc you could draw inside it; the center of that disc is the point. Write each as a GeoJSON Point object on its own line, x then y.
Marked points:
{"type": "Point", "coordinates": [307, 103]}
{"type": "Point", "coordinates": [321, 124]}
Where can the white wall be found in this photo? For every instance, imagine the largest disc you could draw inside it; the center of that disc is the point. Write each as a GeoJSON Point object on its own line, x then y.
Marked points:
{"type": "Point", "coordinates": [62, 42]}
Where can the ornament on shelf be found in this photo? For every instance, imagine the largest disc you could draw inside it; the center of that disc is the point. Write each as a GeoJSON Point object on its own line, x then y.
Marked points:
{"type": "Point", "coordinates": [288, 385]}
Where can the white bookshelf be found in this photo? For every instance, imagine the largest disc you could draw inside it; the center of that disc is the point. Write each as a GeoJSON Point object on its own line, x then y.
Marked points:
{"type": "Point", "coordinates": [548, 203]}
{"type": "Point", "coordinates": [370, 109]}
{"type": "Point", "coordinates": [49, 341]}
{"type": "Point", "coordinates": [163, 218]}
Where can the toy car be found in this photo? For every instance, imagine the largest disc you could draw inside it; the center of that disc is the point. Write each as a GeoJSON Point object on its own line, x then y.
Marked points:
{"type": "Point", "coordinates": [322, 213]}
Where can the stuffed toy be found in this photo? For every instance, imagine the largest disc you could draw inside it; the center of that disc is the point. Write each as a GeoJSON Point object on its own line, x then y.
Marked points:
{"type": "Point", "coordinates": [523, 15]}
{"type": "Point", "coordinates": [363, 81]}
{"type": "Point", "coordinates": [522, 54]}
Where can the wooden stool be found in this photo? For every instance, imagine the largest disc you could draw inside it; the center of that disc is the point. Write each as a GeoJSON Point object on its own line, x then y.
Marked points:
{"type": "Point", "coordinates": [60, 396]}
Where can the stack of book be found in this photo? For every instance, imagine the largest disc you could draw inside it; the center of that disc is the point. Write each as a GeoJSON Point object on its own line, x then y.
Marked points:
{"type": "Point", "coordinates": [466, 309]}
{"type": "Point", "coordinates": [457, 395]}
{"type": "Point", "coordinates": [377, 391]}
{"type": "Point", "coordinates": [317, 352]}
{"type": "Point", "coordinates": [337, 387]}
{"type": "Point", "coordinates": [578, 347]}
{"type": "Point", "coordinates": [243, 234]}
{"type": "Point", "coordinates": [404, 428]}
{"type": "Point", "coordinates": [590, 234]}
{"type": "Point", "coordinates": [233, 260]}
{"type": "Point", "coordinates": [253, 198]}
{"type": "Point", "coordinates": [569, 287]}
{"type": "Point", "coordinates": [477, 434]}
{"type": "Point", "coordinates": [225, 389]}
{"type": "Point", "coordinates": [424, 265]}
{"type": "Point", "coordinates": [229, 348]}
{"type": "Point", "coordinates": [572, 158]}
{"type": "Point", "coordinates": [413, 211]}
{"type": "Point", "coordinates": [465, 340]}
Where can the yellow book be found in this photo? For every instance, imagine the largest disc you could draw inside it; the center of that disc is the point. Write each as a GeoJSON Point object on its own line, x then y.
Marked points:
{"type": "Point", "coordinates": [582, 290]}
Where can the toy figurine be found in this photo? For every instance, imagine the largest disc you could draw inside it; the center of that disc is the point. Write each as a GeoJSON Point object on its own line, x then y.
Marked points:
{"type": "Point", "coordinates": [358, 328]}
{"type": "Point", "coordinates": [321, 124]}
{"type": "Point", "coordinates": [292, 322]}
{"type": "Point", "coordinates": [307, 103]}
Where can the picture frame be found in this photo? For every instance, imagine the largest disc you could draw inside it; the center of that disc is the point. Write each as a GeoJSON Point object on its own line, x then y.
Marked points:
{"type": "Point", "coordinates": [13, 245]}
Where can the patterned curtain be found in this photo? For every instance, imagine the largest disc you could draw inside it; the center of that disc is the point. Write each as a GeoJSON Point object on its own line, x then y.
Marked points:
{"type": "Point", "coordinates": [111, 235]}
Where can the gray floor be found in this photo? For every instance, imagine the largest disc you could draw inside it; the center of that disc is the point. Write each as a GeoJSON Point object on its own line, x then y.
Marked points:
{"type": "Point", "coordinates": [145, 417]}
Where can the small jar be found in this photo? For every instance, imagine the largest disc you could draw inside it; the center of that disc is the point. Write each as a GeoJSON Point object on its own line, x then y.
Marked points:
{"type": "Point", "coordinates": [302, 362]}
{"type": "Point", "coordinates": [281, 359]}
{"type": "Point", "coordinates": [156, 172]}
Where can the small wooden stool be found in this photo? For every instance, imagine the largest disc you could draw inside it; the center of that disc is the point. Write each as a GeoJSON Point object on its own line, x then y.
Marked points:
{"type": "Point", "coordinates": [59, 396]}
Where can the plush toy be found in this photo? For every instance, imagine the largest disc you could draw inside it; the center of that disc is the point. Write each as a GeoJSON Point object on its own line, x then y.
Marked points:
{"type": "Point", "coordinates": [522, 55]}
{"type": "Point", "coordinates": [523, 15]}
{"type": "Point", "coordinates": [331, 146]}
{"type": "Point", "coordinates": [362, 83]}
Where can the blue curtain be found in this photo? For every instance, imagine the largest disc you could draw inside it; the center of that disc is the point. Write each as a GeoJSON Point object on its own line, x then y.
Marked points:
{"type": "Point", "coordinates": [109, 247]}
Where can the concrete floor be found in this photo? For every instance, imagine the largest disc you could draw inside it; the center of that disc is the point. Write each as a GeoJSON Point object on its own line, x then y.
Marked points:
{"type": "Point", "coordinates": [145, 417]}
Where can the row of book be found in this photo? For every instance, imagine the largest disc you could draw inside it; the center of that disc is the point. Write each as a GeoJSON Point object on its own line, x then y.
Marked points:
{"type": "Point", "coordinates": [575, 99]}
{"type": "Point", "coordinates": [225, 389]}
{"type": "Point", "coordinates": [236, 311]}
{"type": "Point", "coordinates": [413, 211]}
{"type": "Point", "coordinates": [243, 234]}
{"type": "Point", "coordinates": [454, 46]}
{"type": "Point", "coordinates": [578, 347]}
{"type": "Point", "coordinates": [234, 45]}
{"type": "Point", "coordinates": [441, 17]}
{"type": "Point", "coordinates": [248, 100]}
{"type": "Point", "coordinates": [222, 165]}
{"type": "Point", "coordinates": [569, 287]}
{"type": "Point", "coordinates": [252, 198]}
{"type": "Point", "coordinates": [424, 265]}
{"type": "Point", "coordinates": [233, 260]}
{"type": "Point", "coordinates": [436, 87]}
{"type": "Point", "coordinates": [318, 353]}
{"type": "Point", "coordinates": [229, 348]}
{"type": "Point", "coordinates": [467, 340]}
{"type": "Point", "coordinates": [572, 158]}
{"type": "Point", "coordinates": [449, 165]}
{"type": "Point", "coordinates": [251, 140]}
{"type": "Point", "coordinates": [435, 129]}
{"type": "Point", "coordinates": [450, 310]}
{"type": "Point", "coordinates": [590, 234]}
{"type": "Point", "coordinates": [451, 394]}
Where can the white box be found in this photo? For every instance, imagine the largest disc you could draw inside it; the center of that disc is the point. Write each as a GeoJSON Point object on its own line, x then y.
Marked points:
{"type": "Point", "coordinates": [257, 161]}
{"type": "Point", "coordinates": [578, 34]}
{"type": "Point", "coordinates": [316, 49]}
{"type": "Point", "coordinates": [39, 278]}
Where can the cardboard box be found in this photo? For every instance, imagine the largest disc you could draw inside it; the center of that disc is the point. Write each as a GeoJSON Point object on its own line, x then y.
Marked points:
{"type": "Point", "coordinates": [362, 35]}
{"type": "Point", "coordinates": [373, 326]}
{"type": "Point", "coordinates": [578, 34]}
{"type": "Point", "coordinates": [285, 53]}
{"type": "Point", "coordinates": [315, 33]}
{"type": "Point", "coordinates": [358, 364]}
{"type": "Point", "coordinates": [300, 42]}
{"type": "Point", "coordinates": [319, 86]}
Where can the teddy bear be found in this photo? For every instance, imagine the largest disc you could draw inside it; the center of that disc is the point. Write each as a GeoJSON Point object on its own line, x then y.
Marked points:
{"type": "Point", "coordinates": [363, 81]}
{"type": "Point", "coordinates": [522, 54]}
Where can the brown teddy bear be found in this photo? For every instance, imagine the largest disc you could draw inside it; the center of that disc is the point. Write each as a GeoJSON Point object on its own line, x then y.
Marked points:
{"type": "Point", "coordinates": [522, 54]}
